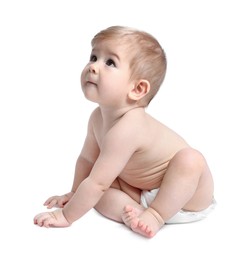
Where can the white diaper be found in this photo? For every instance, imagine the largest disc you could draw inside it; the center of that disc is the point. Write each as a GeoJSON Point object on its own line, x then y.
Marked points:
{"type": "Point", "coordinates": [182, 216]}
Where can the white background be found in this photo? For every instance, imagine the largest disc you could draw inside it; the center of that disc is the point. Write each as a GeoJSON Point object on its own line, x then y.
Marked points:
{"type": "Point", "coordinates": [44, 46]}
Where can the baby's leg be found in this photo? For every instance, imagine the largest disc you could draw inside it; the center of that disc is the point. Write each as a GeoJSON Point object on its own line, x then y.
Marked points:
{"type": "Point", "coordinates": [187, 184]}
{"type": "Point", "coordinates": [116, 198]}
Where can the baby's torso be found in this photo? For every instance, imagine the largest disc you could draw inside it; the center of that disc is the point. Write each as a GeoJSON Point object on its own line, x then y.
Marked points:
{"type": "Point", "coordinates": [146, 168]}
{"type": "Point", "coordinates": [147, 165]}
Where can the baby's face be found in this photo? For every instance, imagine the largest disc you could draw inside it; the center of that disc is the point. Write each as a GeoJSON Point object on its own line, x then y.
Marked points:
{"type": "Point", "coordinates": [106, 78]}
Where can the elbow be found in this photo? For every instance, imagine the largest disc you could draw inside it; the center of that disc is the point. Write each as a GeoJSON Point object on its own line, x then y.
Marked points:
{"type": "Point", "coordinates": [102, 187]}
{"type": "Point", "coordinates": [97, 186]}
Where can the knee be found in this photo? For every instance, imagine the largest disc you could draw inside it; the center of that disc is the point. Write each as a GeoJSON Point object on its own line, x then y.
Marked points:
{"type": "Point", "coordinates": [191, 159]}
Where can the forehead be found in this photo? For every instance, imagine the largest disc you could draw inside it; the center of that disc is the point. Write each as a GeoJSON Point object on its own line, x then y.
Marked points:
{"type": "Point", "coordinates": [116, 47]}
{"type": "Point", "coordinates": [110, 46]}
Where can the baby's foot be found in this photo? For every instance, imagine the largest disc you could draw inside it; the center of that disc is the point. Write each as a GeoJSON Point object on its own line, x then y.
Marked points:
{"type": "Point", "coordinates": [147, 223]}
{"type": "Point", "coordinates": [130, 213]}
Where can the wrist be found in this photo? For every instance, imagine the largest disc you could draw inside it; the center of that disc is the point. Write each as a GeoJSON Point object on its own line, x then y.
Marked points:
{"type": "Point", "coordinates": [66, 217]}
{"type": "Point", "coordinates": [69, 194]}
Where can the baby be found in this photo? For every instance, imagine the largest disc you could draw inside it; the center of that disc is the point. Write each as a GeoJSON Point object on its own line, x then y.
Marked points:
{"type": "Point", "coordinates": [132, 168]}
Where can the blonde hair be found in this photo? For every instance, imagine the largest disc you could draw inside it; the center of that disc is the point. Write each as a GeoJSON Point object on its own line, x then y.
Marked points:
{"type": "Point", "coordinates": [147, 58]}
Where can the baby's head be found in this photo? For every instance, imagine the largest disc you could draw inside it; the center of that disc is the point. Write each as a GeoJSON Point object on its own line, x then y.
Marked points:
{"type": "Point", "coordinates": [147, 58]}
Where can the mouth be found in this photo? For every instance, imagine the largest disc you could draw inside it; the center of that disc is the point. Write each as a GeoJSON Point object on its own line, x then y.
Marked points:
{"type": "Point", "coordinates": [88, 83]}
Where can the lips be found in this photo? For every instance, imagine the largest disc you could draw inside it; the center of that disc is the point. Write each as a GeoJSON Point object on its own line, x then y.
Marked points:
{"type": "Point", "coordinates": [89, 82]}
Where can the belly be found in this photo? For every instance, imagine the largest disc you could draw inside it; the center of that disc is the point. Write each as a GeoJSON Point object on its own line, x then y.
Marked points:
{"type": "Point", "coordinates": [145, 178]}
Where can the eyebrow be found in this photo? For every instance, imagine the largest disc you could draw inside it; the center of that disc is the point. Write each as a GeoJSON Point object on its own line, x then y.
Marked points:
{"type": "Point", "coordinates": [109, 53]}
{"type": "Point", "coordinates": [115, 55]}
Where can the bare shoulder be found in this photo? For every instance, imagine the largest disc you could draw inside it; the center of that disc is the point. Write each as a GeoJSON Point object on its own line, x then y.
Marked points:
{"type": "Point", "coordinates": [127, 129]}
{"type": "Point", "coordinates": [134, 127]}
{"type": "Point", "coordinates": [133, 120]}
{"type": "Point", "coordinates": [150, 131]}
{"type": "Point", "coordinates": [95, 119]}
{"type": "Point", "coordinates": [139, 119]}
{"type": "Point", "coordinates": [96, 113]}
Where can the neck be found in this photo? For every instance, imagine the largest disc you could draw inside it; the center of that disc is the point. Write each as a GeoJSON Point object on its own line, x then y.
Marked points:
{"type": "Point", "coordinates": [111, 115]}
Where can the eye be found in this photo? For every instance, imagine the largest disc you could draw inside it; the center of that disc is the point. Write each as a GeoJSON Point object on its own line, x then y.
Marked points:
{"type": "Point", "coordinates": [110, 62]}
{"type": "Point", "coordinates": [93, 58]}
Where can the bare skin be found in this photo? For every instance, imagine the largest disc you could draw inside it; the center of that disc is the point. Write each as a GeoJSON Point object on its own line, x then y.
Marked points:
{"type": "Point", "coordinates": [196, 184]}
{"type": "Point", "coordinates": [127, 151]}
{"type": "Point", "coordinates": [131, 219]}
{"type": "Point", "coordinates": [51, 219]}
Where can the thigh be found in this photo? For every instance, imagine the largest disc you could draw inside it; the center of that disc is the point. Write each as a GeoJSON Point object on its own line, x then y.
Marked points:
{"type": "Point", "coordinates": [193, 167]}
{"type": "Point", "coordinates": [187, 184]}
{"type": "Point", "coordinates": [133, 192]}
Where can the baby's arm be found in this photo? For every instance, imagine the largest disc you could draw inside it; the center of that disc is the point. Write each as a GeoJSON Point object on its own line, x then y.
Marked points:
{"type": "Point", "coordinates": [84, 164]}
{"type": "Point", "coordinates": [116, 149]}
{"type": "Point", "coordinates": [82, 170]}
{"type": "Point", "coordinates": [87, 194]}
{"type": "Point", "coordinates": [83, 167]}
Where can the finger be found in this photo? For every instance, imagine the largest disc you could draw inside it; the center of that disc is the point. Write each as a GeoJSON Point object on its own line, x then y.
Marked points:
{"type": "Point", "coordinates": [36, 219]}
{"type": "Point", "coordinates": [62, 203]}
{"type": "Point", "coordinates": [40, 218]}
{"type": "Point", "coordinates": [39, 222]}
{"type": "Point", "coordinates": [52, 203]}
{"type": "Point", "coordinates": [49, 200]}
{"type": "Point", "coordinates": [47, 222]}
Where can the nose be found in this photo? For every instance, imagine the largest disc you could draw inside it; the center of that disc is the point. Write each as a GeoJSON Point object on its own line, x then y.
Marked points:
{"type": "Point", "coordinates": [93, 68]}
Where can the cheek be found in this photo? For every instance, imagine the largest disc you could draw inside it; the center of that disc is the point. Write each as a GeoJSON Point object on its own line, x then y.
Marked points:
{"type": "Point", "coordinates": [82, 78]}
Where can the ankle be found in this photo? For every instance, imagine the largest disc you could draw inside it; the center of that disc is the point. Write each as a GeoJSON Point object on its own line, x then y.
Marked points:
{"type": "Point", "coordinates": [156, 215]}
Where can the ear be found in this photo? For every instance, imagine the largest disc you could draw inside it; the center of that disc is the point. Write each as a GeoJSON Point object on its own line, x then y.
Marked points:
{"type": "Point", "coordinates": [140, 89]}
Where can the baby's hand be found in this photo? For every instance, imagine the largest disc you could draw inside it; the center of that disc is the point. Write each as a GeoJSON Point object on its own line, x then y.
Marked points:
{"type": "Point", "coordinates": [51, 219]}
{"type": "Point", "coordinates": [58, 201]}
